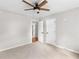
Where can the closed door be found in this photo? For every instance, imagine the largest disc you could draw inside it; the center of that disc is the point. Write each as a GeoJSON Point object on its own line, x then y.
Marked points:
{"type": "Point", "coordinates": [51, 29]}
{"type": "Point", "coordinates": [47, 31]}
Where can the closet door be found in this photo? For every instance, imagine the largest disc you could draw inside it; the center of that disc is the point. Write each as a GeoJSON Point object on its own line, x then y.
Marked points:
{"type": "Point", "coordinates": [40, 31]}
{"type": "Point", "coordinates": [51, 29]}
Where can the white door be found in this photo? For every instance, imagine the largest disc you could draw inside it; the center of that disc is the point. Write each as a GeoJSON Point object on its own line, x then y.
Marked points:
{"type": "Point", "coordinates": [40, 31]}
{"type": "Point", "coordinates": [51, 29]}
{"type": "Point", "coordinates": [47, 31]}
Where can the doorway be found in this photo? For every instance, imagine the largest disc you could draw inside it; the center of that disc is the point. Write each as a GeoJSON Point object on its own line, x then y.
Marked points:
{"type": "Point", "coordinates": [47, 31]}
{"type": "Point", "coordinates": [34, 32]}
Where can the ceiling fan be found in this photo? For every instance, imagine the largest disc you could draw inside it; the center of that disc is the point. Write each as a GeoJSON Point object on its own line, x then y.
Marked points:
{"type": "Point", "coordinates": [37, 6]}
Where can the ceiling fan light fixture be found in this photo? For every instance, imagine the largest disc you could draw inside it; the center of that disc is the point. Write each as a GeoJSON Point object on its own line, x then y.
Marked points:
{"type": "Point", "coordinates": [37, 10]}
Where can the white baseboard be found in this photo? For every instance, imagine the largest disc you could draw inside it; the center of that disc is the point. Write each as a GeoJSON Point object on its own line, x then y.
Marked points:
{"type": "Point", "coordinates": [15, 46]}
{"type": "Point", "coordinates": [67, 49]}
{"type": "Point", "coordinates": [59, 46]}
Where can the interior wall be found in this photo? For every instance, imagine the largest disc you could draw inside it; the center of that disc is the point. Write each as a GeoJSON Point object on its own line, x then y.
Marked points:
{"type": "Point", "coordinates": [68, 29]}
{"type": "Point", "coordinates": [71, 30]}
{"type": "Point", "coordinates": [15, 30]}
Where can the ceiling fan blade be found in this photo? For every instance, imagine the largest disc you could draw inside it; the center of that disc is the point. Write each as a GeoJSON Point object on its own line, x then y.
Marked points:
{"type": "Point", "coordinates": [43, 3]}
{"type": "Point", "coordinates": [28, 3]}
{"type": "Point", "coordinates": [28, 9]}
{"type": "Point", "coordinates": [44, 9]}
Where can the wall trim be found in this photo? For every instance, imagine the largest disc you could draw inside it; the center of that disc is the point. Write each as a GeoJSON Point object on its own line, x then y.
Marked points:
{"type": "Point", "coordinates": [67, 49]}
{"type": "Point", "coordinates": [15, 46]}
{"type": "Point", "coordinates": [61, 47]}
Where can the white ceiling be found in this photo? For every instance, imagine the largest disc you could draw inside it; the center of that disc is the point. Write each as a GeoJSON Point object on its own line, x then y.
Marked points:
{"type": "Point", "coordinates": [55, 6]}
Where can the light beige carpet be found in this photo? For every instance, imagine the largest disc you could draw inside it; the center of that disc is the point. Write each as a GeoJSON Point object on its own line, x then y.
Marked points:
{"type": "Point", "coordinates": [37, 51]}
